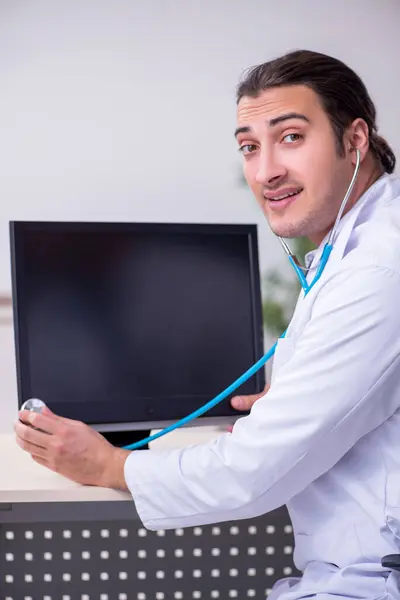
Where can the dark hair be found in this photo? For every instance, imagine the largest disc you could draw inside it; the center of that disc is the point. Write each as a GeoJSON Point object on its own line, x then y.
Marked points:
{"type": "Point", "coordinates": [342, 92]}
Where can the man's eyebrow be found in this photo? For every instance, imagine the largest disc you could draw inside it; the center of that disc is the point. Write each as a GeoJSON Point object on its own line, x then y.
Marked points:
{"type": "Point", "coordinates": [275, 121]}
{"type": "Point", "coordinates": [286, 117]}
{"type": "Point", "coordinates": [242, 130]}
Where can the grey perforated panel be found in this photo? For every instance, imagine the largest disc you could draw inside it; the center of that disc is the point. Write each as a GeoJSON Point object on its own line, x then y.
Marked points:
{"type": "Point", "coordinates": [120, 560]}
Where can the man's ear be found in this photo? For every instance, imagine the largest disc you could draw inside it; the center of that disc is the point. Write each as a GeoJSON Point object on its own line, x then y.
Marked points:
{"type": "Point", "coordinates": [357, 138]}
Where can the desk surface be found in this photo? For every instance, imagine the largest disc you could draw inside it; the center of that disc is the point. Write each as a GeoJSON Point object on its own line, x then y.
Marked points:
{"type": "Point", "coordinates": [23, 480]}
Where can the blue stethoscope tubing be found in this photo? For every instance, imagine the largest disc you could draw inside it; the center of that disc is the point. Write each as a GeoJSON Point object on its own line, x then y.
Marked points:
{"type": "Point", "coordinates": [326, 252]}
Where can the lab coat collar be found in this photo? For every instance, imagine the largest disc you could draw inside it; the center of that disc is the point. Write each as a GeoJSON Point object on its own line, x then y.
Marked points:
{"type": "Point", "coordinates": [346, 225]}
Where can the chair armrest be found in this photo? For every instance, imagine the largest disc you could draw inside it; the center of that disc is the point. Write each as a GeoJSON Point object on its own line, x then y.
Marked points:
{"type": "Point", "coordinates": [391, 561]}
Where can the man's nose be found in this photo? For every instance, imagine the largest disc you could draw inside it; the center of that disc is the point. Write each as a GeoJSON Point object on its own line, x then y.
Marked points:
{"type": "Point", "coordinates": [270, 170]}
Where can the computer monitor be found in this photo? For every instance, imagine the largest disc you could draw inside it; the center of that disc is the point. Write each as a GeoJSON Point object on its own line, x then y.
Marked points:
{"type": "Point", "coordinates": [131, 326]}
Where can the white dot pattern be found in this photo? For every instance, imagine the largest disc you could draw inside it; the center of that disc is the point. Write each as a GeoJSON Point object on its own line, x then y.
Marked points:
{"type": "Point", "coordinates": [197, 573]}
{"type": "Point", "coordinates": [242, 560]}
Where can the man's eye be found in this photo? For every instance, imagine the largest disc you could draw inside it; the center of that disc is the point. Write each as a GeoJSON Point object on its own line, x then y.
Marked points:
{"type": "Point", "coordinates": [247, 148]}
{"type": "Point", "coordinates": [292, 137]}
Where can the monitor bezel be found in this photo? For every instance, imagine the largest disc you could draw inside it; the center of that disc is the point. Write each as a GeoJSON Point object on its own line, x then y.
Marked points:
{"type": "Point", "coordinates": [17, 230]}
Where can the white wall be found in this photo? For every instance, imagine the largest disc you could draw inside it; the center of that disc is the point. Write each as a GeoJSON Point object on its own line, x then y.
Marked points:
{"type": "Point", "coordinates": [124, 110]}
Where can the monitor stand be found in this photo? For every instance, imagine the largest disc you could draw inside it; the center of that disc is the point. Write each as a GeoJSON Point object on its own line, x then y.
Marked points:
{"type": "Point", "coordinates": [125, 438]}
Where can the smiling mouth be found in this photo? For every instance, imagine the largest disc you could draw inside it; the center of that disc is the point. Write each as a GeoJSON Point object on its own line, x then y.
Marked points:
{"type": "Point", "coordinates": [284, 196]}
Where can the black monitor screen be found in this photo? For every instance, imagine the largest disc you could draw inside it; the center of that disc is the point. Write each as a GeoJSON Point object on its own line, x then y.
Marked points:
{"type": "Point", "coordinates": [134, 323]}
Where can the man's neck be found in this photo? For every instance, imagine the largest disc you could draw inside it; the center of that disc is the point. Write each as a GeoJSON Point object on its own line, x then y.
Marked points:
{"type": "Point", "coordinates": [368, 174]}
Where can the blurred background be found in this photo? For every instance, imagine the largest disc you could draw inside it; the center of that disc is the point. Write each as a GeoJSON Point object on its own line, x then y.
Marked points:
{"type": "Point", "coordinates": [125, 111]}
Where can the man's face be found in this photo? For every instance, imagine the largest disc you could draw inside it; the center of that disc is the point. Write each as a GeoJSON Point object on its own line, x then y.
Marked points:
{"type": "Point", "coordinates": [291, 160]}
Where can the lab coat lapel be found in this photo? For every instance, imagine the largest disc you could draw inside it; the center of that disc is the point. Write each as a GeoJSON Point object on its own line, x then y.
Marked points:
{"type": "Point", "coordinates": [304, 304]}
{"type": "Point", "coordinates": [302, 312]}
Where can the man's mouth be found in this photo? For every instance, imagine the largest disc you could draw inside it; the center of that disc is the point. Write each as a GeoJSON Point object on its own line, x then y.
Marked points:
{"type": "Point", "coordinates": [282, 198]}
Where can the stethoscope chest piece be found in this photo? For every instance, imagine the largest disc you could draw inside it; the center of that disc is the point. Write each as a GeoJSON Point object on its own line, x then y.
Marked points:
{"type": "Point", "coordinates": [34, 405]}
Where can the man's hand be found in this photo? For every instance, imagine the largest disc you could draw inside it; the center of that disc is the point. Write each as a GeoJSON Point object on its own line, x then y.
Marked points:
{"type": "Point", "coordinates": [246, 402]}
{"type": "Point", "coordinates": [71, 449]}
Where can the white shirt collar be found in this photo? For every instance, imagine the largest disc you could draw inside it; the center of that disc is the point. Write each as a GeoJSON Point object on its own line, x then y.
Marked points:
{"type": "Point", "coordinates": [372, 193]}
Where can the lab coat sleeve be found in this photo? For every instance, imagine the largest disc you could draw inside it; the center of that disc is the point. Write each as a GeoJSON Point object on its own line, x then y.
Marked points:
{"type": "Point", "coordinates": [340, 383]}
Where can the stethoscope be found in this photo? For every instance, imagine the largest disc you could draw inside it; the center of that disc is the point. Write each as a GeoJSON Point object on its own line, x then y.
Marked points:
{"type": "Point", "coordinates": [36, 404]}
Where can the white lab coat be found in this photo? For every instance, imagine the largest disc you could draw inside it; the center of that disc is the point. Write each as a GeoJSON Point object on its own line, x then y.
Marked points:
{"type": "Point", "coordinates": [325, 440]}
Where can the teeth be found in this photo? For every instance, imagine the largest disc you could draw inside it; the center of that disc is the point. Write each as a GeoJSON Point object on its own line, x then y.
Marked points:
{"type": "Point", "coordinates": [284, 196]}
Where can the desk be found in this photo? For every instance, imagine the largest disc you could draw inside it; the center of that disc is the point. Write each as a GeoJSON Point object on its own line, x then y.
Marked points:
{"type": "Point", "coordinates": [61, 540]}
{"type": "Point", "coordinates": [29, 490]}
{"type": "Point", "coordinates": [23, 480]}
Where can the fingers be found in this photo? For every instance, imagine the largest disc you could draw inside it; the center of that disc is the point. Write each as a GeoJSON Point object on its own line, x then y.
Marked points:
{"type": "Point", "coordinates": [49, 413]}
{"type": "Point", "coordinates": [41, 460]}
{"type": "Point", "coordinates": [46, 422]}
{"type": "Point", "coordinates": [28, 437]}
{"type": "Point", "coordinates": [246, 402]}
{"type": "Point", "coordinates": [30, 447]}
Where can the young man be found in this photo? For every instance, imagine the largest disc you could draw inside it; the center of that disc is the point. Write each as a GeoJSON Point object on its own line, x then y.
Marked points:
{"type": "Point", "coordinates": [325, 438]}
